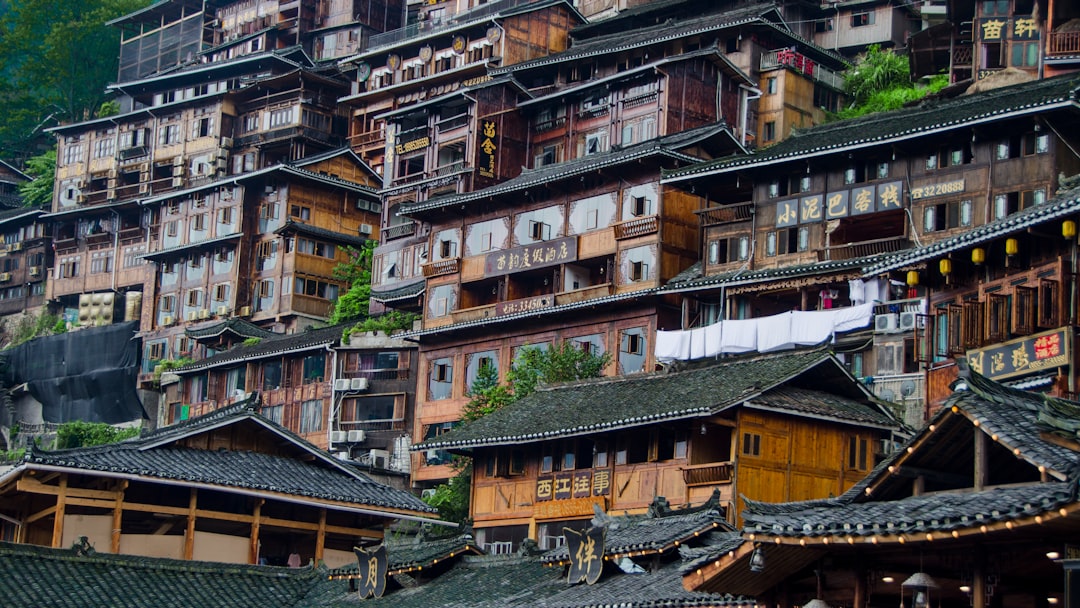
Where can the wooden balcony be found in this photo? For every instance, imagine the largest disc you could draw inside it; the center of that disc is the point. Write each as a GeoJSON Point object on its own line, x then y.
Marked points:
{"type": "Point", "coordinates": [580, 295]}
{"type": "Point", "coordinates": [1063, 43]}
{"type": "Point", "coordinates": [708, 474]}
{"type": "Point", "coordinates": [398, 231]}
{"type": "Point", "coordinates": [726, 215]}
{"type": "Point", "coordinates": [309, 305]}
{"type": "Point", "coordinates": [473, 314]}
{"type": "Point", "coordinates": [367, 139]}
{"type": "Point", "coordinates": [857, 250]}
{"type": "Point", "coordinates": [435, 269]}
{"type": "Point", "coordinates": [637, 227]}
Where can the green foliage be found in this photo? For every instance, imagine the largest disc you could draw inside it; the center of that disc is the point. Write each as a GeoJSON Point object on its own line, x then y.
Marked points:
{"type": "Point", "coordinates": [59, 57]}
{"type": "Point", "coordinates": [169, 364]}
{"type": "Point", "coordinates": [452, 498]}
{"type": "Point", "coordinates": [486, 394]}
{"type": "Point", "coordinates": [394, 320]}
{"type": "Point", "coordinates": [85, 434]}
{"type": "Point", "coordinates": [880, 81]}
{"type": "Point", "coordinates": [108, 108]}
{"type": "Point", "coordinates": [12, 455]}
{"type": "Point", "coordinates": [30, 326]}
{"type": "Point", "coordinates": [253, 341]}
{"type": "Point", "coordinates": [356, 272]}
{"type": "Point", "coordinates": [39, 191]}
{"type": "Point", "coordinates": [562, 362]}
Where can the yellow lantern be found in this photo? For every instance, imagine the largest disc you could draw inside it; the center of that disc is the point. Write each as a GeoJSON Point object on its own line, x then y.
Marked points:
{"type": "Point", "coordinates": [1012, 246]}
{"type": "Point", "coordinates": [1068, 229]}
{"type": "Point", "coordinates": [912, 278]}
{"type": "Point", "coordinates": [978, 255]}
{"type": "Point", "coordinates": [945, 266]}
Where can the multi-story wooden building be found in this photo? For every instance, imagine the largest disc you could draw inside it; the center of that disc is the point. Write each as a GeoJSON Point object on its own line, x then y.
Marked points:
{"type": "Point", "coordinates": [794, 425]}
{"type": "Point", "coordinates": [949, 215]}
{"type": "Point", "coordinates": [25, 257]}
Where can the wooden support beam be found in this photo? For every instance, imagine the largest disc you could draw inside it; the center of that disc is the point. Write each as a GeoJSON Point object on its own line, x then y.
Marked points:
{"type": "Point", "coordinates": [118, 515]}
{"type": "Point", "coordinates": [256, 520]}
{"type": "Point", "coordinates": [982, 472]}
{"type": "Point", "coordinates": [58, 518]}
{"type": "Point", "coordinates": [33, 486]}
{"type": "Point", "coordinates": [320, 536]}
{"type": "Point", "coordinates": [189, 535]}
{"type": "Point", "coordinates": [931, 475]}
{"type": "Point", "coordinates": [39, 515]}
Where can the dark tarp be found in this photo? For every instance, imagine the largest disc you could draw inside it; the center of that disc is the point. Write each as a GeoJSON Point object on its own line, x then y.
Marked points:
{"type": "Point", "coordinates": [88, 375]}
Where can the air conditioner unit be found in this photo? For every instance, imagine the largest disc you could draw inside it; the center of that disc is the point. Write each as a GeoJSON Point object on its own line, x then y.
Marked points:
{"type": "Point", "coordinates": [35, 271]}
{"type": "Point", "coordinates": [204, 313]}
{"type": "Point", "coordinates": [358, 384]}
{"type": "Point", "coordinates": [192, 315]}
{"type": "Point", "coordinates": [80, 198]}
{"type": "Point", "coordinates": [5, 277]}
{"type": "Point", "coordinates": [365, 228]}
{"type": "Point", "coordinates": [167, 321]}
{"type": "Point", "coordinates": [245, 311]}
{"type": "Point", "coordinates": [222, 311]}
{"type": "Point", "coordinates": [178, 161]}
{"type": "Point", "coordinates": [341, 384]}
{"type": "Point", "coordinates": [356, 436]}
{"type": "Point", "coordinates": [886, 323]}
{"type": "Point", "coordinates": [337, 436]}
{"type": "Point", "coordinates": [378, 458]}
{"type": "Point", "coordinates": [226, 142]}
{"type": "Point", "coordinates": [910, 320]}
{"type": "Point", "coordinates": [16, 246]}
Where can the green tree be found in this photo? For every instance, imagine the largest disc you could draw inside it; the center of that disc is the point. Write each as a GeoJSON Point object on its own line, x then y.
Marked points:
{"type": "Point", "coordinates": [39, 191]}
{"type": "Point", "coordinates": [880, 81]}
{"type": "Point", "coordinates": [80, 434]}
{"type": "Point", "coordinates": [353, 304]}
{"type": "Point", "coordinates": [58, 58]}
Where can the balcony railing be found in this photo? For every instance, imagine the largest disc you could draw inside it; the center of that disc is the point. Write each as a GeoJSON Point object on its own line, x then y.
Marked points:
{"type": "Point", "coordinates": [366, 139]}
{"type": "Point", "coordinates": [802, 64]}
{"type": "Point", "coordinates": [1063, 43]}
{"type": "Point", "coordinates": [398, 231]}
{"type": "Point", "coordinates": [377, 374]}
{"type": "Point", "coordinates": [426, 27]}
{"type": "Point", "coordinates": [864, 248]}
{"type": "Point", "coordinates": [442, 267]}
{"type": "Point", "coordinates": [708, 474]}
{"type": "Point", "coordinates": [725, 215]}
{"type": "Point", "coordinates": [637, 227]}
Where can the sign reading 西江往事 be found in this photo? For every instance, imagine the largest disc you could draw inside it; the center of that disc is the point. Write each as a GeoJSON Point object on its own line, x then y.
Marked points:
{"type": "Point", "coordinates": [536, 255]}
{"type": "Point", "coordinates": [1025, 355]}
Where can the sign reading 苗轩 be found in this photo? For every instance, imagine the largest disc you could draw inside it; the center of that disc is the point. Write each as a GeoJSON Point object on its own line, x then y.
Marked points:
{"type": "Point", "coordinates": [1026, 355]}
{"type": "Point", "coordinates": [537, 255]}
{"type": "Point", "coordinates": [814, 208]}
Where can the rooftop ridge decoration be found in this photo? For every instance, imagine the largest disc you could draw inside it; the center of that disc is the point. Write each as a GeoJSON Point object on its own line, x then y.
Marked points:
{"type": "Point", "coordinates": [270, 345]}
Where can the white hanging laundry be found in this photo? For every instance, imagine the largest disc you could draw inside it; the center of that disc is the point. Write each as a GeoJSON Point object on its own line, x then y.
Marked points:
{"type": "Point", "coordinates": [697, 343]}
{"type": "Point", "coordinates": [738, 336]}
{"type": "Point", "coordinates": [713, 335]}
{"type": "Point", "coordinates": [857, 291]}
{"type": "Point", "coordinates": [852, 317]}
{"type": "Point", "coordinates": [812, 326]}
{"type": "Point", "coordinates": [774, 333]}
{"type": "Point", "coordinates": [672, 345]}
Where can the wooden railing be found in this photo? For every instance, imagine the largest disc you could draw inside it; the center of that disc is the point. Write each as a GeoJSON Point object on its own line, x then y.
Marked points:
{"type": "Point", "coordinates": [442, 267]}
{"type": "Point", "coordinates": [864, 248]}
{"type": "Point", "coordinates": [400, 230]}
{"type": "Point", "coordinates": [724, 215]}
{"type": "Point", "coordinates": [580, 295]}
{"type": "Point", "coordinates": [377, 374]}
{"type": "Point", "coordinates": [637, 227]}
{"type": "Point", "coordinates": [310, 305]}
{"type": "Point", "coordinates": [473, 314]}
{"type": "Point", "coordinates": [707, 474]}
{"type": "Point", "coordinates": [1062, 43]}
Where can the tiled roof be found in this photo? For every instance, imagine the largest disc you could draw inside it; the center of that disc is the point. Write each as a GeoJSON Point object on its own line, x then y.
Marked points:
{"type": "Point", "coordinates": [641, 399]}
{"type": "Point", "coordinates": [235, 325]}
{"type": "Point", "coordinates": [662, 587]}
{"type": "Point", "coordinates": [820, 404]}
{"type": "Point", "coordinates": [668, 145]}
{"type": "Point", "coordinates": [20, 213]}
{"type": "Point", "coordinates": [693, 279]}
{"type": "Point", "coordinates": [399, 293]}
{"type": "Point", "coordinates": [937, 512]}
{"type": "Point", "coordinates": [321, 233]}
{"type": "Point", "coordinates": [61, 578]}
{"type": "Point", "coordinates": [651, 534]}
{"type": "Point", "coordinates": [413, 553]}
{"type": "Point", "coordinates": [157, 455]}
{"type": "Point", "coordinates": [930, 117]}
{"type": "Point", "coordinates": [270, 346]}
{"type": "Point", "coordinates": [1065, 203]}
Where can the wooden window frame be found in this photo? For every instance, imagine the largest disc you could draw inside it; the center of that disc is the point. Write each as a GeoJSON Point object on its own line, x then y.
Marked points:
{"type": "Point", "coordinates": [972, 324]}
{"type": "Point", "coordinates": [1049, 301]}
{"type": "Point", "coordinates": [1025, 310]}
{"type": "Point", "coordinates": [997, 317]}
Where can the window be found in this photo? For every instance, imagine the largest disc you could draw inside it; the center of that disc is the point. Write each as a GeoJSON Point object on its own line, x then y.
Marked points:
{"type": "Point", "coordinates": [639, 271]}
{"type": "Point", "coordinates": [221, 292]}
{"type": "Point", "coordinates": [862, 19]}
{"type": "Point", "coordinates": [167, 303]}
{"type": "Point", "coordinates": [640, 205]}
{"type": "Point", "coordinates": [202, 127]}
{"type": "Point", "coordinates": [198, 223]}
{"type": "Point", "coordinates": [272, 412]}
{"type": "Point", "coordinates": [632, 351]}
{"type": "Point", "coordinates": [733, 249]}
{"type": "Point", "coordinates": [857, 453]}
{"type": "Point", "coordinates": [271, 376]}
{"type": "Point", "coordinates": [944, 216]}
{"type": "Point", "coordinates": [440, 384]}
{"type": "Point", "coordinates": [539, 231]}
{"type": "Point", "coordinates": [595, 143]}
{"type": "Point", "coordinates": [313, 369]}
{"type": "Point", "coordinates": [778, 188]}
{"type": "Point", "coordinates": [768, 131]}
{"type": "Point", "coordinates": [1025, 310]}
{"type": "Point", "coordinates": [300, 212]}
{"type": "Point", "coordinates": [787, 240]}
{"type": "Point", "coordinates": [751, 444]}
{"type": "Point", "coordinates": [311, 419]}
{"type": "Point", "coordinates": [882, 170]}
{"type": "Point", "coordinates": [1049, 303]}
{"type": "Point", "coordinates": [997, 317]}
{"type": "Point", "coordinates": [477, 361]}
{"type": "Point", "coordinates": [447, 249]}
{"type": "Point", "coordinates": [548, 155]}
{"type": "Point", "coordinates": [770, 85]}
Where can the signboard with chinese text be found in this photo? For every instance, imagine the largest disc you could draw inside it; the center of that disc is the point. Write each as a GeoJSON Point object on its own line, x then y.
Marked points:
{"type": "Point", "coordinates": [487, 147]}
{"type": "Point", "coordinates": [1024, 27]}
{"type": "Point", "coordinates": [413, 145]}
{"type": "Point", "coordinates": [954, 187]}
{"type": "Point", "coordinates": [578, 484]}
{"type": "Point", "coordinates": [524, 305]}
{"type": "Point", "coordinates": [536, 255]}
{"type": "Point", "coordinates": [815, 208]}
{"type": "Point", "coordinates": [993, 28]}
{"type": "Point", "coordinates": [372, 571]}
{"type": "Point", "coordinates": [1030, 354]}
{"type": "Point", "coordinates": [586, 554]}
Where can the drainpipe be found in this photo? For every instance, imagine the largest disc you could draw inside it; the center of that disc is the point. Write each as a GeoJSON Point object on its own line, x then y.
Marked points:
{"type": "Point", "coordinates": [335, 401]}
{"type": "Point", "coordinates": [116, 247]}
{"type": "Point", "coordinates": [748, 94]}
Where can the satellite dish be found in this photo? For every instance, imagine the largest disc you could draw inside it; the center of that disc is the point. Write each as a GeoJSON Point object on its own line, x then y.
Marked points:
{"type": "Point", "coordinates": [887, 394]}
{"type": "Point", "coordinates": [907, 388]}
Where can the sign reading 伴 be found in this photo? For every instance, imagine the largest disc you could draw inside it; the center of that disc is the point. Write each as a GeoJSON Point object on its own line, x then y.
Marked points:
{"type": "Point", "coordinates": [834, 205]}
{"type": "Point", "coordinates": [537, 255]}
{"type": "Point", "coordinates": [1025, 355]}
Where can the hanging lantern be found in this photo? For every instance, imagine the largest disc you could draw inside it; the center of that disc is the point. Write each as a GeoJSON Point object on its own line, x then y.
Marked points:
{"type": "Point", "coordinates": [978, 255]}
{"type": "Point", "coordinates": [1012, 246]}
{"type": "Point", "coordinates": [1068, 229]}
{"type": "Point", "coordinates": [945, 266]}
{"type": "Point", "coordinates": [912, 278]}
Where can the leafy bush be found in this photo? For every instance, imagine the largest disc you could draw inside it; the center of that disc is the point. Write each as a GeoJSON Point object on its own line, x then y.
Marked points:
{"type": "Point", "coordinates": [85, 434]}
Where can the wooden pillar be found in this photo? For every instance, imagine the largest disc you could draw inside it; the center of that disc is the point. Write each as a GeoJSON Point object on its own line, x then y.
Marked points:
{"type": "Point", "coordinates": [189, 536]}
{"type": "Point", "coordinates": [256, 522]}
{"type": "Point", "coordinates": [320, 536]}
{"type": "Point", "coordinates": [918, 485]}
{"type": "Point", "coordinates": [860, 588]}
{"type": "Point", "coordinates": [58, 516]}
{"type": "Point", "coordinates": [118, 514]}
{"type": "Point", "coordinates": [981, 461]}
{"type": "Point", "coordinates": [978, 582]}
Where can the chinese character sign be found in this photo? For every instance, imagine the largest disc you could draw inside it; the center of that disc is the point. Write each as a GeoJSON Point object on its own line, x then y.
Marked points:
{"type": "Point", "coordinates": [1025, 28]}
{"type": "Point", "coordinates": [488, 147]}
{"type": "Point", "coordinates": [1025, 355]}
{"type": "Point", "coordinates": [586, 554]}
{"type": "Point", "coordinates": [373, 565]}
{"type": "Point", "coordinates": [787, 213]}
{"type": "Point", "coordinates": [992, 29]}
{"type": "Point", "coordinates": [536, 255]}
